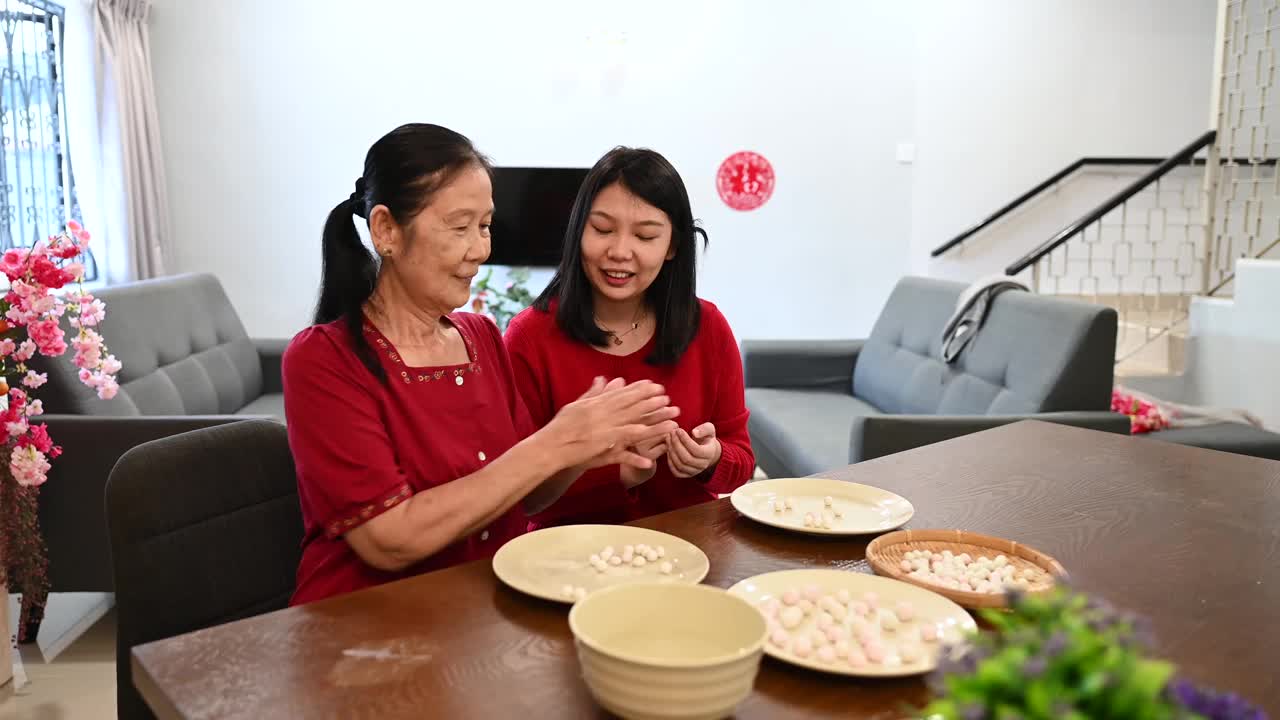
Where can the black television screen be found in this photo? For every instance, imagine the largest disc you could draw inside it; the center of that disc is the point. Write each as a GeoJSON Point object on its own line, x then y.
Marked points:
{"type": "Point", "coordinates": [531, 212]}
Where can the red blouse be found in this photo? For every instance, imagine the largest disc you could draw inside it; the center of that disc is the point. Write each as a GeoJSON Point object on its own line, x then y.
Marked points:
{"type": "Point", "coordinates": [361, 446]}
{"type": "Point", "coordinates": [552, 370]}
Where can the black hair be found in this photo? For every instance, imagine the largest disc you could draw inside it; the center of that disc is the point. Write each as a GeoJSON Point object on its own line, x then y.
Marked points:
{"type": "Point", "coordinates": [673, 293]}
{"type": "Point", "coordinates": [401, 171]}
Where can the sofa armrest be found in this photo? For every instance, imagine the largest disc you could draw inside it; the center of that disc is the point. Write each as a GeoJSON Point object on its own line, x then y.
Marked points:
{"type": "Point", "coordinates": [271, 352]}
{"type": "Point", "coordinates": [875, 436]}
{"type": "Point", "coordinates": [809, 364]}
{"type": "Point", "coordinates": [72, 505]}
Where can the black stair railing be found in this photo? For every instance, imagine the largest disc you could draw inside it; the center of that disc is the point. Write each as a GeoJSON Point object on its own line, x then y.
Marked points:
{"type": "Point", "coordinates": [1183, 157]}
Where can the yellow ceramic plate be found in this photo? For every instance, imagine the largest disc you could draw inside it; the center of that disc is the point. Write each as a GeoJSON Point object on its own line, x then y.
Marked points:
{"type": "Point", "coordinates": [949, 619]}
{"type": "Point", "coordinates": [544, 562]}
{"type": "Point", "coordinates": [863, 509]}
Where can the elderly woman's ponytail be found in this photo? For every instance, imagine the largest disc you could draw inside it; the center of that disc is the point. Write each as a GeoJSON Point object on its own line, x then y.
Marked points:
{"type": "Point", "coordinates": [401, 171]}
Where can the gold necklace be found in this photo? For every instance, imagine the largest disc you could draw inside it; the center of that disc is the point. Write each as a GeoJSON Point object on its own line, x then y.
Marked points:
{"type": "Point", "coordinates": [617, 337]}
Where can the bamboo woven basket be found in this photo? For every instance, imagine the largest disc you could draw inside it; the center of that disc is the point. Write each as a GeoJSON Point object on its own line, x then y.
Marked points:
{"type": "Point", "coordinates": [886, 553]}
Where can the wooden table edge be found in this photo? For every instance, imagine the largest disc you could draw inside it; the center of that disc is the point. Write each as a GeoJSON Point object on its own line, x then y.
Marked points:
{"type": "Point", "coordinates": [156, 699]}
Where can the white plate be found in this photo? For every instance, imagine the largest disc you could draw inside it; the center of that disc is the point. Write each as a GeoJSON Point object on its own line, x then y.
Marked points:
{"type": "Point", "coordinates": [950, 619]}
{"type": "Point", "coordinates": [864, 509]}
{"type": "Point", "coordinates": [543, 562]}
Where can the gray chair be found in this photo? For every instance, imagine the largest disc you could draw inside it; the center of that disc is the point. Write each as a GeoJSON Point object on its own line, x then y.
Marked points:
{"type": "Point", "coordinates": [205, 529]}
{"type": "Point", "coordinates": [818, 405]}
{"type": "Point", "coordinates": [188, 364]}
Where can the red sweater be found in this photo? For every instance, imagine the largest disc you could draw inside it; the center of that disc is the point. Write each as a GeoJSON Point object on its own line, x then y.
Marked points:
{"type": "Point", "coordinates": [552, 370]}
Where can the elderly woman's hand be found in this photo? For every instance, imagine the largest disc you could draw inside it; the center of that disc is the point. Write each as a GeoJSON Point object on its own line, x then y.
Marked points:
{"type": "Point", "coordinates": [605, 425]}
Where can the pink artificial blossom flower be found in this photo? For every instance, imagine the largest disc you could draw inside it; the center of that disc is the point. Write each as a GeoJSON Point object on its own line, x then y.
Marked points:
{"type": "Point", "coordinates": [17, 428]}
{"type": "Point", "coordinates": [47, 273]}
{"type": "Point", "coordinates": [85, 376]}
{"type": "Point", "coordinates": [108, 388]}
{"type": "Point", "coordinates": [42, 305]}
{"type": "Point", "coordinates": [48, 337]}
{"type": "Point", "coordinates": [35, 407]}
{"type": "Point", "coordinates": [66, 251]}
{"type": "Point", "coordinates": [16, 315]}
{"type": "Point", "coordinates": [74, 270]}
{"type": "Point", "coordinates": [7, 347]}
{"type": "Point", "coordinates": [14, 263]}
{"type": "Point", "coordinates": [38, 437]}
{"type": "Point", "coordinates": [92, 312]}
{"type": "Point", "coordinates": [29, 466]}
{"type": "Point", "coordinates": [74, 226]}
{"type": "Point", "coordinates": [25, 351]}
{"type": "Point", "coordinates": [34, 379]}
{"type": "Point", "coordinates": [88, 346]}
{"type": "Point", "coordinates": [110, 365]}
{"type": "Point", "coordinates": [24, 289]}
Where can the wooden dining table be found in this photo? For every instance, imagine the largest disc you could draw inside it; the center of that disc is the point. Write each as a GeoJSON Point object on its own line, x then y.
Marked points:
{"type": "Point", "coordinates": [1189, 538]}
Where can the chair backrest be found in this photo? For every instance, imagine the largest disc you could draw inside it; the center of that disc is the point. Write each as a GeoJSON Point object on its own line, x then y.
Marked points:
{"type": "Point", "coordinates": [205, 528]}
{"type": "Point", "coordinates": [183, 348]}
{"type": "Point", "coordinates": [1034, 353]}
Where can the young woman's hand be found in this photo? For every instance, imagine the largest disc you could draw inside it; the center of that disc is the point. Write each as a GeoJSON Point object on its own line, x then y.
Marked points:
{"type": "Point", "coordinates": [690, 454]}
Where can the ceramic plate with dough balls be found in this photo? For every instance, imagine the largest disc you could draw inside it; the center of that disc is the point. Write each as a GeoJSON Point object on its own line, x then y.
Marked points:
{"type": "Point", "coordinates": [949, 621]}
{"type": "Point", "coordinates": [545, 563]}
{"type": "Point", "coordinates": [854, 509]}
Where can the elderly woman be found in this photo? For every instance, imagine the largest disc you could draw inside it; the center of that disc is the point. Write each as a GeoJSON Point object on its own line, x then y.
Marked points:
{"type": "Point", "coordinates": [413, 448]}
{"type": "Point", "coordinates": [623, 303]}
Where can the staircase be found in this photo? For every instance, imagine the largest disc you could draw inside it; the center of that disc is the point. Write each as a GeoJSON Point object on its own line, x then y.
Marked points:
{"type": "Point", "coordinates": [1148, 249]}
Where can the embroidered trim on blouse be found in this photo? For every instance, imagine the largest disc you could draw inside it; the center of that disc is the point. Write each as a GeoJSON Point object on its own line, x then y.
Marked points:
{"type": "Point", "coordinates": [472, 367]}
{"type": "Point", "coordinates": [337, 527]}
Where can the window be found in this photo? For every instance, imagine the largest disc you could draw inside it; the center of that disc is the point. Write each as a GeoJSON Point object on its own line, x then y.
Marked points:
{"type": "Point", "coordinates": [37, 187]}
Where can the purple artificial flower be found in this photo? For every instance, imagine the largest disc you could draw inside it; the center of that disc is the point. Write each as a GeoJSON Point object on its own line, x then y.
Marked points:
{"type": "Point", "coordinates": [1213, 705]}
{"type": "Point", "coordinates": [1035, 667]}
{"type": "Point", "coordinates": [1056, 645]}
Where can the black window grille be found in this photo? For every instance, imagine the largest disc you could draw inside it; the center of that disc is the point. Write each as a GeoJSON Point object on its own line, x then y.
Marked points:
{"type": "Point", "coordinates": [37, 186]}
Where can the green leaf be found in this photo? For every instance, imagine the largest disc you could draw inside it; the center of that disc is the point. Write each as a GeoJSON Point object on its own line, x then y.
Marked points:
{"type": "Point", "coordinates": [1151, 676]}
{"type": "Point", "coordinates": [1040, 700]}
{"type": "Point", "coordinates": [941, 710]}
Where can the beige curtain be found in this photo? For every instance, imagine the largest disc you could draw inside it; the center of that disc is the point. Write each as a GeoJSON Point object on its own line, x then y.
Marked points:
{"type": "Point", "coordinates": [128, 106]}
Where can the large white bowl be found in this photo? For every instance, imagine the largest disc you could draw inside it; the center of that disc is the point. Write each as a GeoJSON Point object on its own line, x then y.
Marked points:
{"type": "Point", "coordinates": [654, 652]}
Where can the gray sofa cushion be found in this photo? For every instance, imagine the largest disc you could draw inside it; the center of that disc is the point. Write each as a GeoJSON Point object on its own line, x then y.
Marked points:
{"type": "Point", "coordinates": [1033, 354]}
{"type": "Point", "coordinates": [269, 405]}
{"type": "Point", "coordinates": [1228, 437]}
{"type": "Point", "coordinates": [183, 348]}
{"type": "Point", "coordinates": [805, 431]}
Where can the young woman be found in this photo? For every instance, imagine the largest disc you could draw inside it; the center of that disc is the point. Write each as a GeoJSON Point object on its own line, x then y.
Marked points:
{"type": "Point", "coordinates": [623, 304]}
{"type": "Point", "coordinates": [413, 449]}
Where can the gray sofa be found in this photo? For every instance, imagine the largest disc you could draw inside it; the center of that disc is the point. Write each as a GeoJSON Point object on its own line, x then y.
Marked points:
{"type": "Point", "coordinates": [818, 405]}
{"type": "Point", "coordinates": [188, 364]}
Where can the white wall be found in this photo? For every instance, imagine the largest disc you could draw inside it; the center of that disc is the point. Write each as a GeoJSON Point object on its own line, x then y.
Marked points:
{"type": "Point", "coordinates": [267, 109]}
{"type": "Point", "coordinates": [1009, 92]}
